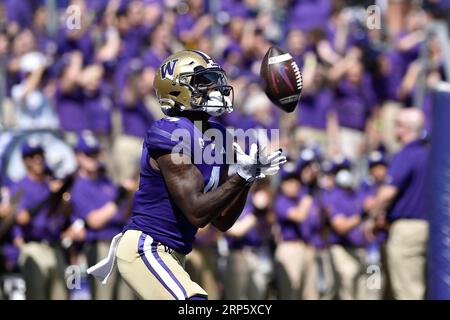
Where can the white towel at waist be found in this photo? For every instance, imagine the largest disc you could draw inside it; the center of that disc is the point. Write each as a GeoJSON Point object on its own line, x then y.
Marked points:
{"type": "Point", "coordinates": [103, 269]}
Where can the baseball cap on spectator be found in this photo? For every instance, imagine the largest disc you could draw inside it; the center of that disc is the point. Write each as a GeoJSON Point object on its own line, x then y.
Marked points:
{"type": "Point", "coordinates": [31, 147]}
{"type": "Point", "coordinates": [327, 167]}
{"type": "Point", "coordinates": [87, 143]}
{"type": "Point", "coordinates": [340, 162]}
{"type": "Point", "coordinates": [32, 61]}
{"type": "Point", "coordinates": [342, 169]}
{"type": "Point", "coordinates": [377, 158]}
{"type": "Point", "coordinates": [288, 171]}
{"type": "Point", "coordinates": [307, 156]}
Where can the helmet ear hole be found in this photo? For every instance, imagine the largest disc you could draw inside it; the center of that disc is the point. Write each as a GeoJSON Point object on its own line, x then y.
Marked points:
{"type": "Point", "coordinates": [174, 93]}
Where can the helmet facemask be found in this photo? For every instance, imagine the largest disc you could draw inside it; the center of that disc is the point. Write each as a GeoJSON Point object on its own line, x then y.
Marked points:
{"type": "Point", "coordinates": [210, 91]}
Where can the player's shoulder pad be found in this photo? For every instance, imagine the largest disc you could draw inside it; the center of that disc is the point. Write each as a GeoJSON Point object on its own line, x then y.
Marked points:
{"type": "Point", "coordinates": [165, 133]}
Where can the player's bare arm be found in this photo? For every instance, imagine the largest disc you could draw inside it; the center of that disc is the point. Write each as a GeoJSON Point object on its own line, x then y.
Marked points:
{"type": "Point", "coordinates": [226, 219]}
{"type": "Point", "coordinates": [185, 185]}
{"type": "Point", "coordinates": [231, 213]}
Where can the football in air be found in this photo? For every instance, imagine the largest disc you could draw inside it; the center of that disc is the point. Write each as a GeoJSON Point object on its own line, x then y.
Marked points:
{"type": "Point", "coordinates": [282, 79]}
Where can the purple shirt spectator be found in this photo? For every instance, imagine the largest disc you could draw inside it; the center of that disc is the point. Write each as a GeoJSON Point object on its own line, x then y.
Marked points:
{"type": "Point", "coordinates": [314, 108]}
{"type": "Point", "coordinates": [314, 230]}
{"type": "Point", "coordinates": [71, 110]}
{"type": "Point", "coordinates": [410, 54]}
{"type": "Point", "coordinates": [44, 226]}
{"type": "Point", "coordinates": [348, 203]}
{"type": "Point", "coordinates": [369, 188]}
{"type": "Point", "coordinates": [184, 22]}
{"type": "Point", "coordinates": [289, 230]}
{"type": "Point", "coordinates": [309, 14]}
{"type": "Point", "coordinates": [388, 83]}
{"type": "Point", "coordinates": [254, 237]}
{"type": "Point", "coordinates": [407, 172]}
{"type": "Point", "coordinates": [354, 104]}
{"type": "Point", "coordinates": [130, 45]}
{"type": "Point", "coordinates": [20, 11]}
{"type": "Point", "coordinates": [136, 119]}
{"type": "Point", "coordinates": [152, 59]}
{"type": "Point", "coordinates": [235, 8]}
{"type": "Point", "coordinates": [89, 194]}
{"type": "Point", "coordinates": [83, 43]}
{"type": "Point", "coordinates": [98, 106]}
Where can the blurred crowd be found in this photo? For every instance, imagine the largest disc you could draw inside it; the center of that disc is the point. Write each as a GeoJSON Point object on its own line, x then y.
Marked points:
{"type": "Point", "coordinates": [357, 142]}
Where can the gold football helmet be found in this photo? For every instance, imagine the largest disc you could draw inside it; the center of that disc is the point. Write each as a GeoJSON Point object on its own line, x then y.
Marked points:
{"type": "Point", "coordinates": [191, 80]}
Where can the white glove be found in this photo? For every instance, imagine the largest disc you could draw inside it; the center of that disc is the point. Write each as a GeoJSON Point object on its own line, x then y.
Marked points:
{"type": "Point", "coordinates": [251, 167]}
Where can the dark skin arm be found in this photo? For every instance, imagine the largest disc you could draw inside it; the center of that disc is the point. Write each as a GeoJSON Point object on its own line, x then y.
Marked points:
{"type": "Point", "coordinates": [184, 181]}
{"type": "Point", "coordinates": [233, 210]}
{"type": "Point", "coordinates": [226, 219]}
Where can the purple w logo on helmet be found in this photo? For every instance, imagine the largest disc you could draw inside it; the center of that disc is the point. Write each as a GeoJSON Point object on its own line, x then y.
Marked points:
{"type": "Point", "coordinates": [167, 69]}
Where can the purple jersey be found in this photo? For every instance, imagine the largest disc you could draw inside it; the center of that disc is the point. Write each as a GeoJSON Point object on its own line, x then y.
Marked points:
{"type": "Point", "coordinates": [154, 211]}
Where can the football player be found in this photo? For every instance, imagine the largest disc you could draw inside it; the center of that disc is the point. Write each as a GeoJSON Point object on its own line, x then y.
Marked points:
{"type": "Point", "coordinates": [178, 193]}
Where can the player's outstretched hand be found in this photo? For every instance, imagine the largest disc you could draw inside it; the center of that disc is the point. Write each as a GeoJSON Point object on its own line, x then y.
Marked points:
{"type": "Point", "coordinates": [257, 164]}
